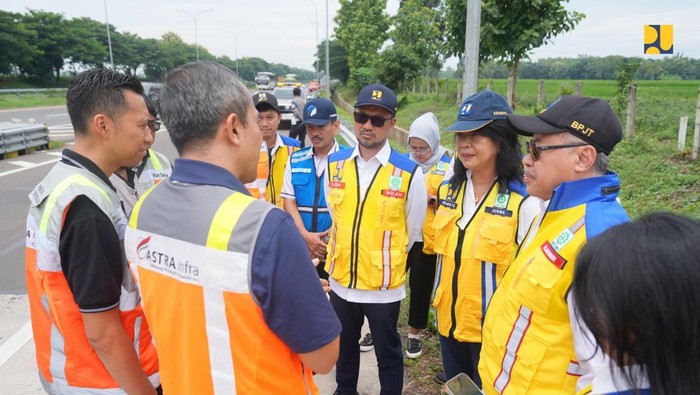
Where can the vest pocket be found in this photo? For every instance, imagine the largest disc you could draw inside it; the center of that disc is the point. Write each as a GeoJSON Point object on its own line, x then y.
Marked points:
{"type": "Point", "coordinates": [494, 240]}
{"type": "Point", "coordinates": [390, 211]}
{"type": "Point", "coordinates": [300, 178]}
{"type": "Point", "coordinates": [443, 225]}
{"type": "Point", "coordinates": [384, 272]}
{"type": "Point", "coordinates": [335, 200]}
{"type": "Point", "coordinates": [537, 284]}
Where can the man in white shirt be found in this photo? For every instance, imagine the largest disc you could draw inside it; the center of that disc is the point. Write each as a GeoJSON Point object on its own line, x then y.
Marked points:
{"type": "Point", "coordinates": [377, 199]}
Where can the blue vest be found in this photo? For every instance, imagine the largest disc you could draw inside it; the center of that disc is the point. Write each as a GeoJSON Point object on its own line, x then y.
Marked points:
{"type": "Point", "coordinates": [308, 190]}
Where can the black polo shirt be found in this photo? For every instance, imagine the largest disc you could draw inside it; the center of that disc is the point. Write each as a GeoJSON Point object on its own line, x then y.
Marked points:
{"type": "Point", "coordinates": [90, 249]}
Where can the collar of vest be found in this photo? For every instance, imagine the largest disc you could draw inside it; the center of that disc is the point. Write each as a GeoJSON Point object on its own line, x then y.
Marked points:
{"type": "Point", "coordinates": [574, 193]}
{"type": "Point", "coordinates": [74, 159]}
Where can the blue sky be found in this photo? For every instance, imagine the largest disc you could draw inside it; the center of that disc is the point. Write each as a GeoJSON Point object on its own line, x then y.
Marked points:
{"type": "Point", "coordinates": [284, 31]}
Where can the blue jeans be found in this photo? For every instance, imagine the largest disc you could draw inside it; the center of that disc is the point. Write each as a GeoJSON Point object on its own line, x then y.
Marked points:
{"type": "Point", "coordinates": [460, 357]}
{"type": "Point", "coordinates": [383, 318]}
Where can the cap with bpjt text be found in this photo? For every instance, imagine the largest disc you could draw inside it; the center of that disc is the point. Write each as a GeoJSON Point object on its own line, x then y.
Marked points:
{"type": "Point", "coordinates": [590, 119]}
{"type": "Point", "coordinates": [377, 95]}
{"type": "Point", "coordinates": [478, 110]}
{"type": "Point", "coordinates": [265, 99]}
{"type": "Point", "coordinates": [319, 111]}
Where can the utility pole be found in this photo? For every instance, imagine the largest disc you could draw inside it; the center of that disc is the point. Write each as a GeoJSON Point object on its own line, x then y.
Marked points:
{"type": "Point", "coordinates": [328, 75]}
{"type": "Point", "coordinates": [471, 48]}
{"type": "Point", "coordinates": [109, 38]}
{"type": "Point", "coordinates": [316, 61]}
{"type": "Point", "coordinates": [235, 35]}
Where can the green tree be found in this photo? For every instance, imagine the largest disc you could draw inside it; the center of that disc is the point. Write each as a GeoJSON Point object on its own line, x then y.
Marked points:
{"type": "Point", "coordinates": [129, 51]}
{"type": "Point", "coordinates": [15, 42]}
{"type": "Point", "coordinates": [51, 39]}
{"type": "Point", "coordinates": [87, 43]}
{"type": "Point", "coordinates": [337, 60]}
{"type": "Point", "coordinates": [362, 30]}
{"type": "Point", "coordinates": [398, 66]}
{"type": "Point", "coordinates": [510, 29]}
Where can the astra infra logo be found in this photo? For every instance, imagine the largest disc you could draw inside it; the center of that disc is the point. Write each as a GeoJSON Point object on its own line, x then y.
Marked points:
{"type": "Point", "coordinates": [658, 39]}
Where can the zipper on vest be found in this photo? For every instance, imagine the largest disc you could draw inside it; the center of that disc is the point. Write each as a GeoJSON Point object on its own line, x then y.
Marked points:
{"type": "Point", "coordinates": [314, 208]}
{"type": "Point", "coordinates": [354, 258]}
{"type": "Point", "coordinates": [455, 280]}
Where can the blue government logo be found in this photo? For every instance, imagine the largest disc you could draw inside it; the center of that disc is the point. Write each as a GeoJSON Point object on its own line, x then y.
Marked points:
{"type": "Point", "coordinates": [311, 111]}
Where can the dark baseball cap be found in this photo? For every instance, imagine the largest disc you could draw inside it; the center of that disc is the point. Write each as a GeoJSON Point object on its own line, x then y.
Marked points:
{"type": "Point", "coordinates": [478, 110]}
{"type": "Point", "coordinates": [261, 100]}
{"type": "Point", "coordinates": [319, 111]}
{"type": "Point", "coordinates": [377, 95]}
{"type": "Point", "coordinates": [590, 119]}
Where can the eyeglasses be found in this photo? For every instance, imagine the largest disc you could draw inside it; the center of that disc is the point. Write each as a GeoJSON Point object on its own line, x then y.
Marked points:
{"type": "Point", "coordinates": [535, 149]}
{"type": "Point", "coordinates": [376, 120]}
{"type": "Point", "coordinates": [154, 125]}
{"type": "Point", "coordinates": [419, 150]}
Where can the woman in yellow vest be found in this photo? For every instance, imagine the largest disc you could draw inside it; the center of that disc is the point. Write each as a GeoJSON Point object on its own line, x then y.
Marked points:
{"type": "Point", "coordinates": [424, 148]}
{"type": "Point", "coordinates": [482, 216]}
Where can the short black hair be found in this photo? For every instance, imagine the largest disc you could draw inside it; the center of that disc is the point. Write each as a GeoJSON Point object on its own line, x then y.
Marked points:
{"type": "Point", "coordinates": [508, 159]}
{"type": "Point", "coordinates": [296, 92]}
{"type": "Point", "coordinates": [151, 107]}
{"type": "Point", "coordinates": [636, 288]}
{"type": "Point", "coordinates": [98, 91]}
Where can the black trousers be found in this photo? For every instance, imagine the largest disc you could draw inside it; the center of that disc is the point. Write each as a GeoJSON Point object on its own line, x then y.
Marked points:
{"type": "Point", "coordinates": [298, 132]}
{"type": "Point", "coordinates": [382, 318]}
{"type": "Point", "coordinates": [420, 283]}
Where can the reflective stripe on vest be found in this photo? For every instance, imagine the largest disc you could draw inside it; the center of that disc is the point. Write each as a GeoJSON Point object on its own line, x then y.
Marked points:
{"type": "Point", "coordinates": [517, 334]}
{"type": "Point", "coordinates": [274, 181]}
{"type": "Point", "coordinates": [200, 277]}
{"type": "Point", "coordinates": [257, 187]}
{"type": "Point", "coordinates": [154, 159]}
{"type": "Point", "coordinates": [66, 360]}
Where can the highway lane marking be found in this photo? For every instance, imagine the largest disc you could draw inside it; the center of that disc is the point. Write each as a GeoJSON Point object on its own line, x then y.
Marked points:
{"type": "Point", "coordinates": [56, 115]}
{"type": "Point", "coordinates": [59, 154]}
{"type": "Point", "coordinates": [7, 173]}
{"type": "Point", "coordinates": [21, 163]}
{"type": "Point", "coordinates": [15, 342]}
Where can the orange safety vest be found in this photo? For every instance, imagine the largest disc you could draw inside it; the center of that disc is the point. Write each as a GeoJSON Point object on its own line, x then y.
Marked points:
{"type": "Point", "coordinates": [66, 360]}
{"type": "Point", "coordinates": [201, 281]}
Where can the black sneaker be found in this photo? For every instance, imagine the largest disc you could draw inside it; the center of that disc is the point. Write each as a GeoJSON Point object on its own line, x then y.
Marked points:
{"type": "Point", "coordinates": [441, 377]}
{"type": "Point", "coordinates": [413, 348]}
{"type": "Point", "coordinates": [366, 344]}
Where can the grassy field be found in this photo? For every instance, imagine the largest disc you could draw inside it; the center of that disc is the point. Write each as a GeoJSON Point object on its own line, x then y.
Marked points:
{"type": "Point", "coordinates": [8, 101]}
{"type": "Point", "coordinates": [655, 175]}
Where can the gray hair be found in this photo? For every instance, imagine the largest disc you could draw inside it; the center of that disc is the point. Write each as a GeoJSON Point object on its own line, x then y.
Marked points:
{"type": "Point", "coordinates": [602, 161]}
{"type": "Point", "coordinates": [196, 97]}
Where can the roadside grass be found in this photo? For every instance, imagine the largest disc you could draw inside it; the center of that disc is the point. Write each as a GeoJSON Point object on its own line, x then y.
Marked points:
{"type": "Point", "coordinates": [655, 175]}
{"type": "Point", "coordinates": [9, 101]}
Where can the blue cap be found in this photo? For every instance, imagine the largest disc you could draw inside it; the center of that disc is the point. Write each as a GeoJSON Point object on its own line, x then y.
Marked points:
{"type": "Point", "coordinates": [479, 110]}
{"type": "Point", "coordinates": [319, 111]}
{"type": "Point", "coordinates": [377, 95]}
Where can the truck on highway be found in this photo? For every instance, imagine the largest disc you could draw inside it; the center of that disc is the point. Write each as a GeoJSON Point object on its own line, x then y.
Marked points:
{"type": "Point", "coordinates": [265, 80]}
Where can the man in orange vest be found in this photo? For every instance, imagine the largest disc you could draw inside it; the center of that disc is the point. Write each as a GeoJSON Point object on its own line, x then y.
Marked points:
{"type": "Point", "coordinates": [89, 330]}
{"type": "Point", "coordinates": [231, 271]}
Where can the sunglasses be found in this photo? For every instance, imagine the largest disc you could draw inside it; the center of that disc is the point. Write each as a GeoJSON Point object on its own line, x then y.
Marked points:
{"type": "Point", "coordinates": [154, 125]}
{"type": "Point", "coordinates": [535, 149]}
{"type": "Point", "coordinates": [376, 120]}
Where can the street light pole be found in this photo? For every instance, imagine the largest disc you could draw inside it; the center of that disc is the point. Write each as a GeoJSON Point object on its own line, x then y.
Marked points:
{"type": "Point", "coordinates": [316, 61]}
{"type": "Point", "coordinates": [109, 38]}
{"type": "Point", "coordinates": [195, 16]}
{"type": "Point", "coordinates": [235, 35]}
{"type": "Point", "coordinates": [328, 78]}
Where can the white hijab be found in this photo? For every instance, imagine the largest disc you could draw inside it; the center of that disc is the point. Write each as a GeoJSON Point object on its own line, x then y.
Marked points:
{"type": "Point", "coordinates": [426, 128]}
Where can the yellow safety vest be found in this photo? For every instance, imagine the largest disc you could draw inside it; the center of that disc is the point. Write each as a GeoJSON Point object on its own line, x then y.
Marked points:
{"type": "Point", "coordinates": [472, 261]}
{"type": "Point", "coordinates": [528, 346]}
{"type": "Point", "coordinates": [433, 179]}
{"type": "Point", "coordinates": [367, 247]}
{"type": "Point", "coordinates": [276, 178]}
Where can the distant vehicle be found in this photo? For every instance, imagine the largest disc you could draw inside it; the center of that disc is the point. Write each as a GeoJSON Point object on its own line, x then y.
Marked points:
{"type": "Point", "coordinates": [152, 90]}
{"type": "Point", "coordinates": [284, 97]}
{"type": "Point", "coordinates": [288, 80]}
{"type": "Point", "coordinates": [265, 80]}
{"type": "Point", "coordinates": [314, 85]}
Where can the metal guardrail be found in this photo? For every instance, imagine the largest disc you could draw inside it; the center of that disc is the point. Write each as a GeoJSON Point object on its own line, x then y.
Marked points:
{"type": "Point", "coordinates": [348, 136]}
{"type": "Point", "coordinates": [30, 90]}
{"type": "Point", "coordinates": [20, 137]}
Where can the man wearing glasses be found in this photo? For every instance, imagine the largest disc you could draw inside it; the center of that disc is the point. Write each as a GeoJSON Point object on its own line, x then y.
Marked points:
{"type": "Point", "coordinates": [377, 199]}
{"type": "Point", "coordinates": [530, 344]}
{"type": "Point", "coordinates": [133, 182]}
